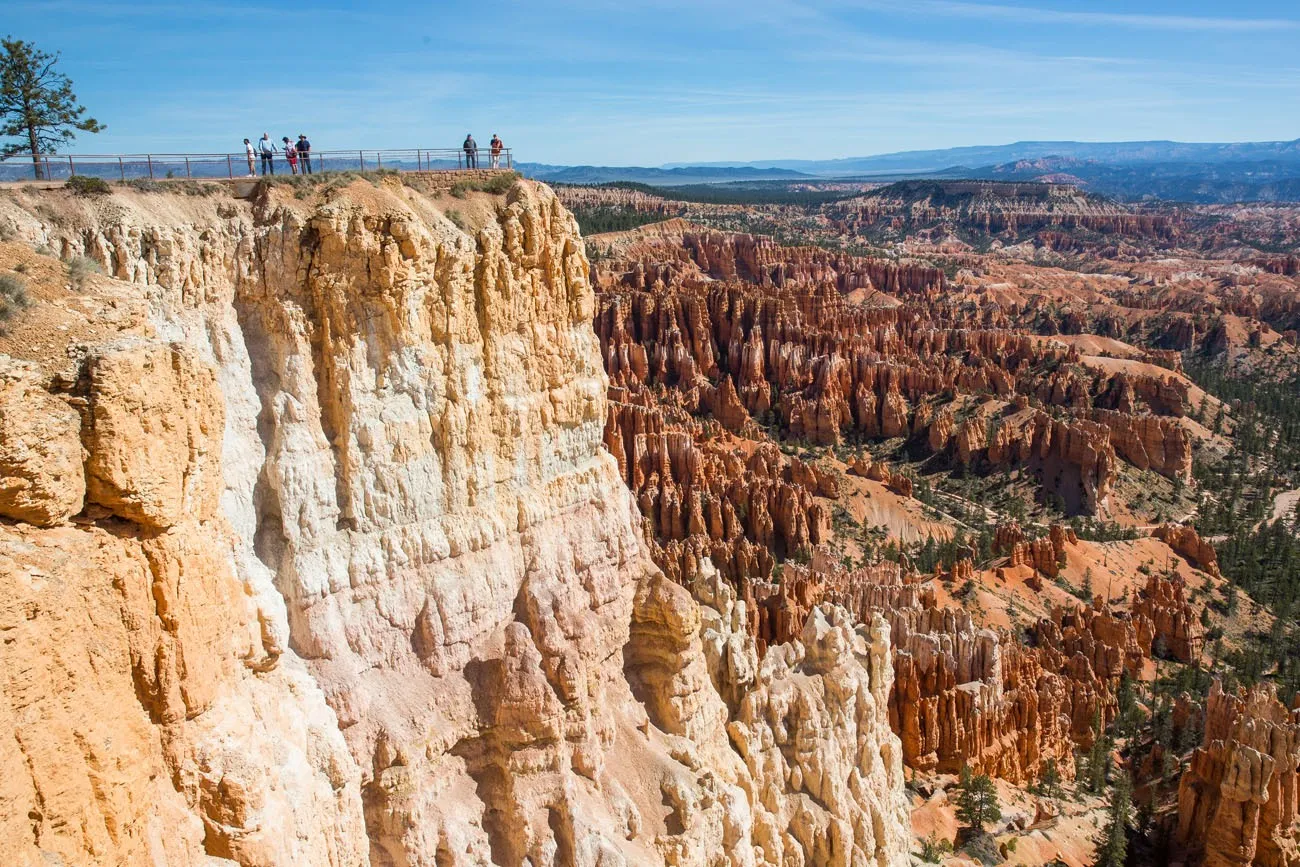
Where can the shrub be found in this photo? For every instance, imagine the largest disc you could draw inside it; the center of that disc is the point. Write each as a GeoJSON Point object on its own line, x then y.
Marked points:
{"type": "Point", "coordinates": [143, 185]}
{"type": "Point", "coordinates": [13, 297]}
{"type": "Point", "coordinates": [457, 220]}
{"type": "Point", "coordinates": [85, 185]}
{"type": "Point", "coordinates": [497, 184]}
{"type": "Point", "coordinates": [934, 849]}
{"type": "Point", "coordinates": [79, 271]}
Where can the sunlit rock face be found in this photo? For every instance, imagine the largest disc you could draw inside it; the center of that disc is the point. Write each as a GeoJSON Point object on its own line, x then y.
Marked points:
{"type": "Point", "coordinates": [1237, 801]}
{"type": "Point", "coordinates": [324, 562]}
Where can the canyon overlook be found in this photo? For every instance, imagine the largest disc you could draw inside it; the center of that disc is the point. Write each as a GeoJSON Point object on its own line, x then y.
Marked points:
{"type": "Point", "coordinates": [380, 522]}
{"type": "Point", "coordinates": [313, 555]}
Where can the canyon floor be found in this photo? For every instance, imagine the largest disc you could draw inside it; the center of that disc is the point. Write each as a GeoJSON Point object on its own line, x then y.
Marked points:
{"type": "Point", "coordinates": [395, 520]}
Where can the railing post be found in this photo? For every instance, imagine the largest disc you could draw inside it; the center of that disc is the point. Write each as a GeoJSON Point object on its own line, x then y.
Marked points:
{"type": "Point", "coordinates": [379, 158]}
{"type": "Point", "coordinates": [149, 157]}
{"type": "Point", "coordinates": [230, 167]}
{"type": "Point", "coordinates": [361, 155]}
{"type": "Point", "coordinates": [187, 167]}
{"type": "Point", "coordinates": [72, 170]}
{"type": "Point", "coordinates": [121, 168]}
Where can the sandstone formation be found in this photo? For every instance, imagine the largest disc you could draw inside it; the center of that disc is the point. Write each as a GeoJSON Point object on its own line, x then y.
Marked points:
{"type": "Point", "coordinates": [1188, 543]}
{"type": "Point", "coordinates": [42, 473]}
{"type": "Point", "coordinates": [151, 712]}
{"type": "Point", "coordinates": [1237, 802]}
{"type": "Point", "coordinates": [721, 323]}
{"type": "Point", "coordinates": [994, 208]}
{"type": "Point", "coordinates": [365, 587]}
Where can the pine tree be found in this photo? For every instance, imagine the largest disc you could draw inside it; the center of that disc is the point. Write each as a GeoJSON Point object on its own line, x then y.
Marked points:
{"type": "Point", "coordinates": [37, 104]}
{"type": "Point", "coordinates": [1049, 780]}
{"type": "Point", "coordinates": [1112, 845]}
{"type": "Point", "coordinates": [977, 801]}
{"type": "Point", "coordinates": [1095, 763]}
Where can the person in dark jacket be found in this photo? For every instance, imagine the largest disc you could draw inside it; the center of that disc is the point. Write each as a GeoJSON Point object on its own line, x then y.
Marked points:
{"type": "Point", "coordinates": [304, 154]}
{"type": "Point", "coordinates": [471, 152]}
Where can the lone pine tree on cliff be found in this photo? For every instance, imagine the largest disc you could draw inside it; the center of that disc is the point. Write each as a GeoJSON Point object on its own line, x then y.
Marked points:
{"type": "Point", "coordinates": [37, 104]}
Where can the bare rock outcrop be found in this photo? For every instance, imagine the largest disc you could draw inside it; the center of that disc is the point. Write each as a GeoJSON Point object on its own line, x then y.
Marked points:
{"type": "Point", "coordinates": [1237, 802]}
{"type": "Point", "coordinates": [1187, 543]}
{"type": "Point", "coordinates": [150, 712]}
{"type": "Point", "coordinates": [1172, 617]}
{"type": "Point", "coordinates": [42, 473]}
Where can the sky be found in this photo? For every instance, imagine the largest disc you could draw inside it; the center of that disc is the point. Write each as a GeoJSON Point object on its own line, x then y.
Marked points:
{"type": "Point", "coordinates": [619, 82]}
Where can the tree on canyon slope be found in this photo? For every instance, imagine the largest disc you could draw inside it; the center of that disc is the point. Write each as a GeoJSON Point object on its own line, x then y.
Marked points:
{"type": "Point", "coordinates": [977, 801]}
{"type": "Point", "coordinates": [1112, 845]}
{"type": "Point", "coordinates": [37, 104]}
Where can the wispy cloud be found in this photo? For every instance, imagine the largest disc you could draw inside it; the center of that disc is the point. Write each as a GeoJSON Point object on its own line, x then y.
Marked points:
{"type": "Point", "coordinates": [1038, 15]}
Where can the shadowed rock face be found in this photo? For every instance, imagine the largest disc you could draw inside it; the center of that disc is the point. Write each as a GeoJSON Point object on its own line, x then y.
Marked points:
{"type": "Point", "coordinates": [1237, 802]}
{"type": "Point", "coordinates": [364, 587]}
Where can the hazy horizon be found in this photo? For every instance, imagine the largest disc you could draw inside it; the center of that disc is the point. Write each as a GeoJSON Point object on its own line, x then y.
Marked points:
{"type": "Point", "coordinates": [593, 82]}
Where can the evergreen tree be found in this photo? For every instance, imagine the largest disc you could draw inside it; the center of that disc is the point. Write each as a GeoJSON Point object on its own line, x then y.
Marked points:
{"type": "Point", "coordinates": [1095, 763]}
{"type": "Point", "coordinates": [1112, 845]}
{"type": "Point", "coordinates": [977, 801]}
{"type": "Point", "coordinates": [1049, 780]}
{"type": "Point", "coordinates": [37, 104]}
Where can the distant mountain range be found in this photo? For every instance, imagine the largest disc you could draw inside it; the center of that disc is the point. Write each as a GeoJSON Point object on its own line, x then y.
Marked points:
{"type": "Point", "coordinates": [664, 176]}
{"type": "Point", "coordinates": [989, 155]}
{"type": "Point", "coordinates": [1183, 171]}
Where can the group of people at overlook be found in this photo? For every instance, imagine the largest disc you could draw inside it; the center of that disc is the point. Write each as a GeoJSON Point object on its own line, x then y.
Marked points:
{"type": "Point", "coordinates": [298, 154]}
{"type": "Point", "coordinates": [295, 154]}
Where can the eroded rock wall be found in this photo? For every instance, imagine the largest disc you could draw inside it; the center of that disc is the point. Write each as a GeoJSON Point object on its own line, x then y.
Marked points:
{"type": "Point", "coordinates": [1237, 801]}
{"type": "Point", "coordinates": [370, 586]}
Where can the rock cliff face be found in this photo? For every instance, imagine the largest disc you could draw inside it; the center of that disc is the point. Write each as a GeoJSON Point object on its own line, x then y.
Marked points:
{"type": "Point", "coordinates": [151, 712]}
{"type": "Point", "coordinates": [327, 565]}
{"type": "Point", "coordinates": [1237, 802]}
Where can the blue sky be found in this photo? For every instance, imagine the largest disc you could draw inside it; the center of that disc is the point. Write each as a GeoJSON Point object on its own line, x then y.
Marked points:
{"type": "Point", "coordinates": [617, 83]}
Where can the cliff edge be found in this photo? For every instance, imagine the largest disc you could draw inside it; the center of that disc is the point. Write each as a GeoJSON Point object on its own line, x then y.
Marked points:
{"type": "Point", "coordinates": [312, 555]}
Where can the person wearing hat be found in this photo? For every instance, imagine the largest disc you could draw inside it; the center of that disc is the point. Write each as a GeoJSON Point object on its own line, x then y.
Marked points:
{"type": "Point", "coordinates": [304, 154]}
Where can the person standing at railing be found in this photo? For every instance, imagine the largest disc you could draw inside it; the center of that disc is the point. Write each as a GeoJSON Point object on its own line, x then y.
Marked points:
{"type": "Point", "coordinates": [290, 155]}
{"type": "Point", "coordinates": [497, 145]}
{"type": "Point", "coordinates": [304, 154]}
{"type": "Point", "coordinates": [248, 149]}
{"type": "Point", "coordinates": [471, 152]}
{"type": "Point", "coordinates": [267, 149]}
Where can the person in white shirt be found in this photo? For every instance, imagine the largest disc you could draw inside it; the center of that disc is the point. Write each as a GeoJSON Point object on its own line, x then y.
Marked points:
{"type": "Point", "coordinates": [248, 149]}
{"type": "Point", "coordinates": [267, 149]}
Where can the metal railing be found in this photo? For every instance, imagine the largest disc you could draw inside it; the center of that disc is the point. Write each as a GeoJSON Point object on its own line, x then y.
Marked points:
{"type": "Point", "coordinates": [125, 167]}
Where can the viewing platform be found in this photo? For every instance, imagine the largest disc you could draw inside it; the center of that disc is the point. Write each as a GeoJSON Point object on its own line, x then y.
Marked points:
{"type": "Point", "coordinates": [229, 167]}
